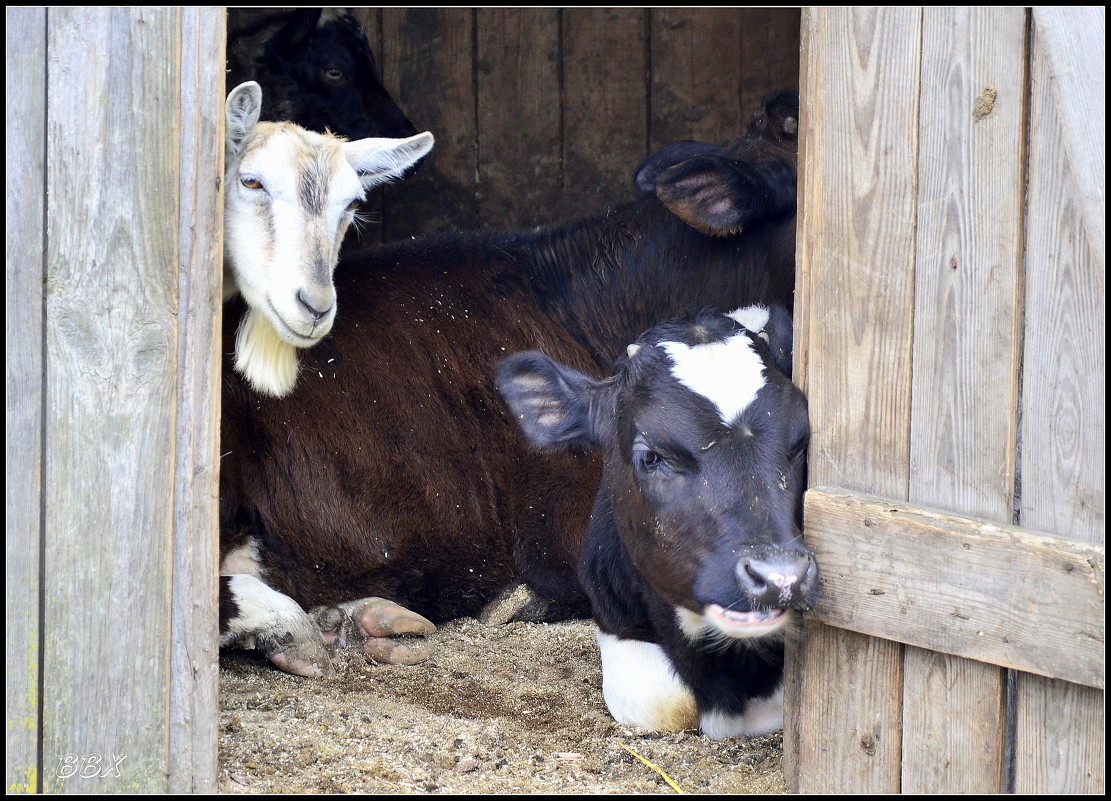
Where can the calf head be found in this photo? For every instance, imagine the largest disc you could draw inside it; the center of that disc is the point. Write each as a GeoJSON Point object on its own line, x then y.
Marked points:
{"type": "Point", "coordinates": [289, 196]}
{"type": "Point", "coordinates": [703, 438]}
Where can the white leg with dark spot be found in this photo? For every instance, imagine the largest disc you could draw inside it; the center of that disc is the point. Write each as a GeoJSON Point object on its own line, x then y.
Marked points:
{"type": "Point", "coordinates": [275, 624]}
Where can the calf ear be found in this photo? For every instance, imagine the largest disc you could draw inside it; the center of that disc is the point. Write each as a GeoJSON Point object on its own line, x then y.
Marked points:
{"type": "Point", "coordinates": [646, 175]}
{"type": "Point", "coordinates": [549, 402]}
{"type": "Point", "coordinates": [241, 111]}
{"type": "Point", "coordinates": [379, 159]}
{"type": "Point", "coordinates": [781, 332]}
{"type": "Point", "coordinates": [720, 196]}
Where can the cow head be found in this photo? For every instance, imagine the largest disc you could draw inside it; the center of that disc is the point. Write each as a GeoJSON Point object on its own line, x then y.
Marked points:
{"type": "Point", "coordinates": [704, 439]}
{"type": "Point", "coordinates": [719, 190]}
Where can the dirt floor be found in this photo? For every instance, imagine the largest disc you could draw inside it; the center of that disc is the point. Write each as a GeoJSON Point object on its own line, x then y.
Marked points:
{"type": "Point", "coordinates": [514, 708]}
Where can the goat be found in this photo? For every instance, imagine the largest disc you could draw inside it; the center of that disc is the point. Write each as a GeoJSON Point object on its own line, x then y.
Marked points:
{"type": "Point", "coordinates": [289, 196]}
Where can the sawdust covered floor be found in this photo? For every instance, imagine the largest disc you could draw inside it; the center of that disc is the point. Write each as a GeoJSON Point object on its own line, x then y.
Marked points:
{"type": "Point", "coordinates": [514, 708]}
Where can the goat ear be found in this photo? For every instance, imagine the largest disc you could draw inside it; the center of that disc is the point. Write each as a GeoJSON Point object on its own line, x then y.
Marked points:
{"type": "Point", "coordinates": [242, 110]}
{"type": "Point", "coordinates": [720, 196]}
{"type": "Point", "coordinates": [644, 179]}
{"type": "Point", "coordinates": [548, 401]}
{"type": "Point", "coordinates": [378, 159]}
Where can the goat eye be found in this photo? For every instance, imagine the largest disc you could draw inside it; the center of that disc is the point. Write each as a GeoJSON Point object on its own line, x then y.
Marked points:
{"type": "Point", "coordinates": [354, 204]}
{"type": "Point", "coordinates": [334, 75]}
{"type": "Point", "coordinates": [251, 183]}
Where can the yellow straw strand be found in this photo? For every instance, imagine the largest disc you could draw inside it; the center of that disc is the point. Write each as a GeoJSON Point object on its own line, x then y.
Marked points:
{"type": "Point", "coordinates": [667, 778]}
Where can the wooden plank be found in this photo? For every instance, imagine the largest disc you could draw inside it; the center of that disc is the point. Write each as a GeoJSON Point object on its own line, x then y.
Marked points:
{"type": "Point", "coordinates": [1064, 405]}
{"type": "Point", "coordinates": [427, 58]}
{"type": "Point", "coordinates": [856, 684]}
{"type": "Point", "coordinates": [110, 372]}
{"type": "Point", "coordinates": [1060, 741]}
{"type": "Point", "coordinates": [696, 73]}
{"type": "Point", "coordinates": [968, 275]}
{"type": "Point", "coordinates": [605, 102]}
{"type": "Point", "coordinates": [519, 115]}
{"type": "Point", "coordinates": [994, 593]}
{"type": "Point", "coordinates": [25, 84]}
{"type": "Point", "coordinates": [862, 88]}
{"type": "Point", "coordinates": [953, 733]}
{"type": "Point", "coordinates": [856, 239]}
{"type": "Point", "coordinates": [1060, 747]}
{"type": "Point", "coordinates": [1074, 39]}
{"type": "Point", "coordinates": [963, 426]}
{"type": "Point", "coordinates": [194, 671]}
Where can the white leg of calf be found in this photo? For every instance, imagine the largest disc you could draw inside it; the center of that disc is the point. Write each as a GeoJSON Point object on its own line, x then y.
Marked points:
{"type": "Point", "coordinates": [276, 625]}
{"type": "Point", "coordinates": [761, 716]}
{"type": "Point", "coordinates": [641, 688]}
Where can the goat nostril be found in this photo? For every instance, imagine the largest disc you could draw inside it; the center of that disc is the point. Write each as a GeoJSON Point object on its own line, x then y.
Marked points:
{"type": "Point", "coordinates": [315, 312]}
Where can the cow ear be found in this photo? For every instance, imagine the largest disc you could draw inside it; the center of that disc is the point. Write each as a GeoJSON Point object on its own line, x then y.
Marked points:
{"type": "Point", "coordinates": [720, 196]}
{"type": "Point", "coordinates": [646, 175]}
{"type": "Point", "coordinates": [242, 109]}
{"type": "Point", "coordinates": [780, 337]}
{"type": "Point", "coordinates": [548, 401]}
{"type": "Point", "coordinates": [381, 159]}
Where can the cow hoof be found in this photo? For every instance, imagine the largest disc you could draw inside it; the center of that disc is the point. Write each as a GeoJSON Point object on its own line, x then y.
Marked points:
{"type": "Point", "coordinates": [300, 666]}
{"type": "Point", "coordinates": [395, 652]}
{"type": "Point", "coordinates": [373, 623]}
{"type": "Point", "coordinates": [378, 617]}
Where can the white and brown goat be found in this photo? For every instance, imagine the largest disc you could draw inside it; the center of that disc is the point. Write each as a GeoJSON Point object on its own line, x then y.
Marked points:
{"type": "Point", "coordinates": [290, 195]}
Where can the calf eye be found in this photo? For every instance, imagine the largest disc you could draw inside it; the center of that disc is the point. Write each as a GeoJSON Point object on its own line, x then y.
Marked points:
{"type": "Point", "coordinates": [333, 75]}
{"type": "Point", "coordinates": [647, 460]}
{"type": "Point", "coordinates": [798, 449]}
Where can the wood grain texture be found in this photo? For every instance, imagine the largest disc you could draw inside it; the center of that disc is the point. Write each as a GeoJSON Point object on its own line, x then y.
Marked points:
{"type": "Point", "coordinates": [968, 272]}
{"type": "Point", "coordinates": [25, 85]}
{"type": "Point", "coordinates": [1061, 743]}
{"type": "Point", "coordinates": [851, 685]}
{"type": "Point", "coordinates": [1064, 410]}
{"type": "Point", "coordinates": [194, 666]}
{"type": "Point", "coordinates": [855, 288]}
{"type": "Point", "coordinates": [605, 106]}
{"type": "Point", "coordinates": [943, 748]}
{"type": "Point", "coordinates": [428, 65]}
{"type": "Point", "coordinates": [966, 354]}
{"type": "Point", "coordinates": [857, 268]}
{"type": "Point", "coordinates": [519, 114]}
{"type": "Point", "coordinates": [998, 594]}
{"type": "Point", "coordinates": [111, 343]}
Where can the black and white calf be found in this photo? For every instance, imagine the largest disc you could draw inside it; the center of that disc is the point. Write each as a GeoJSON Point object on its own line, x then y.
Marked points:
{"type": "Point", "coordinates": [693, 560]}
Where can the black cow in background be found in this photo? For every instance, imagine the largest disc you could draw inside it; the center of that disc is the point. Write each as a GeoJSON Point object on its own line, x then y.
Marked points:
{"type": "Point", "coordinates": [316, 69]}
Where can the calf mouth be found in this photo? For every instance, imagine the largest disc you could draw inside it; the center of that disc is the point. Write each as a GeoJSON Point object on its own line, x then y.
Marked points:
{"type": "Point", "coordinates": [745, 624]}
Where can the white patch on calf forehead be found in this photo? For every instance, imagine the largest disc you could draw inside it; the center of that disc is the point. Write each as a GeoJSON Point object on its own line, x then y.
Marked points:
{"type": "Point", "coordinates": [728, 373]}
